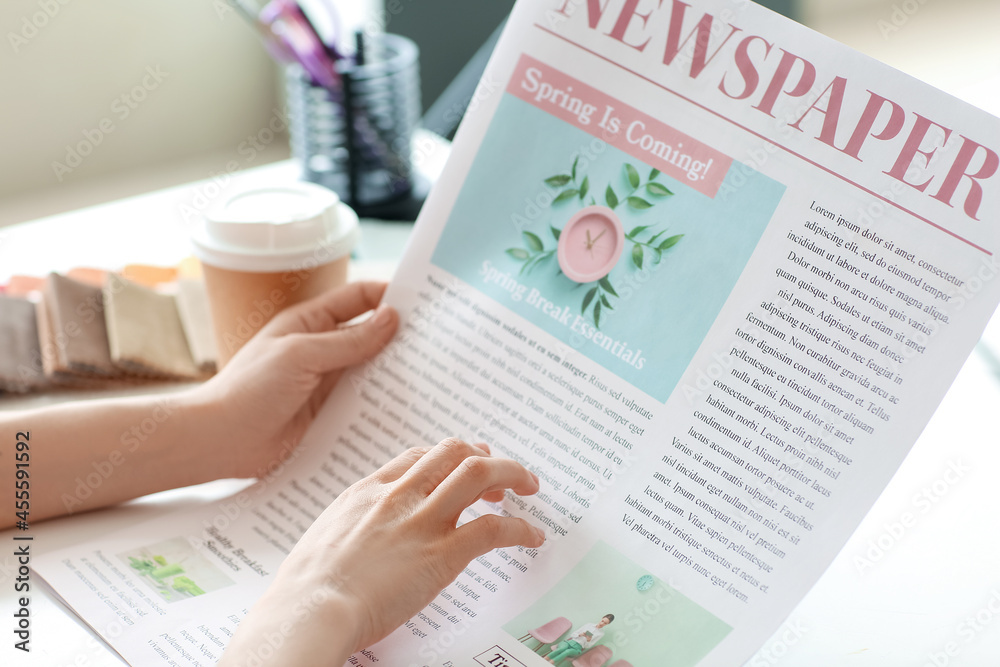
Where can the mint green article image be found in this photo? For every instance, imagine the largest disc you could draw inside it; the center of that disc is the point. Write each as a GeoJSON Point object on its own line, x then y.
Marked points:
{"type": "Point", "coordinates": [682, 252]}
{"type": "Point", "coordinates": [654, 624]}
{"type": "Point", "coordinates": [174, 570]}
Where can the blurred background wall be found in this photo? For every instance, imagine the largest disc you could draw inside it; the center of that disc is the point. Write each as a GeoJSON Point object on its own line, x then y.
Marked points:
{"type": "Point", "coordinates": [185, 83]}
{"type": "Point", "coordinates": [66, 67]}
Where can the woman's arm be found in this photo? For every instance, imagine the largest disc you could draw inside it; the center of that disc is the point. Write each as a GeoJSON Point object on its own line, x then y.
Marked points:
{"type": "Point", "coordinates": [249, 417]}
{"type": "Point", "coordinates": [90, 454]}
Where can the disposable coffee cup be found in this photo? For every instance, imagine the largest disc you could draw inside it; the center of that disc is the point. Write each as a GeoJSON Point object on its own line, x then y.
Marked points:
{"type": "Point", "coordinates": [265, 249]}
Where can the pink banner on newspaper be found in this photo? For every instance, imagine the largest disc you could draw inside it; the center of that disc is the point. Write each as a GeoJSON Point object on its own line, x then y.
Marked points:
{"type": "Point", "coordinates": [640, 135]}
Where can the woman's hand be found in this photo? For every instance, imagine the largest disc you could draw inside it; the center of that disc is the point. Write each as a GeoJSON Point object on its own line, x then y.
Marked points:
{"type": "Point", "coordinates": [270, 391]}
{"type": "Point", "coordinates": [382, 551]}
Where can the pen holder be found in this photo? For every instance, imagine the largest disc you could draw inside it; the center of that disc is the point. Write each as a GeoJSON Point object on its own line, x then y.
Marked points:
{"type": "Point", "coordinates": [356, 138]}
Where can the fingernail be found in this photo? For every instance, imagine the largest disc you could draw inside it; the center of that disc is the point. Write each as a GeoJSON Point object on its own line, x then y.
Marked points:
{"type": "Point", "coordinates": [381, 317]}
{"type": "Point", "coordinates": [535, 477]}
{"type": "Point", "coordinates": [540, 533]}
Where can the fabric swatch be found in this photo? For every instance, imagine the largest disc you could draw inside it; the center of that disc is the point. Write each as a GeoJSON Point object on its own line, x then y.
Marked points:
{"type": "Point", "coordinates": [48, 340]}
{"type": "Point", "coordinates": [20, 351]}
{"type": "Point", "coordinates": [76, 314]}
{"type": "Point", "coordinates": [145, 331]}
{"type": "Point", "coordinates": [95, 277]}
{"type": "Point", "coordinates": [149, 276]}
{"type": "Point", "coordinates": [22, 286]}
{"type": "Point", "coordinates": [193, 307]}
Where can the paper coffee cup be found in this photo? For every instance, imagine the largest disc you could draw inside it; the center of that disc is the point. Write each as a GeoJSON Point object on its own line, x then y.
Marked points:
{"type": "Point", "coordinates": [265, 249]}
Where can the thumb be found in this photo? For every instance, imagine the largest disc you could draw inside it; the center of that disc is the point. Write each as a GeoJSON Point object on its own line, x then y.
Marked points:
{"type": "Point", "coordinates": [334, 350]}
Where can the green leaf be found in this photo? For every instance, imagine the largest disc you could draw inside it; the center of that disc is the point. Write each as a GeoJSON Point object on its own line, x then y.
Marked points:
{"type": "Point", "coordinates": [658, 190]}
{"type": "Point", "coordinates": [534, 261]}
{"type": "Point", "coordinates": [520, 254]}
{"type": "Point", "coordinates": [593, 202]}
{"type": "Point", "coordinates": [565, 195]}
{"type": "Point", "coordinates": [638, 230]}
{"type": "Point", "coordinates": [607, 304]}
{"type": "Point", "coordinates": [606, 286]}
{"type": "Point", "coordinates": [597, 314]}
{"type": "Point", "coordinates": [588, 298]}
{"type": "Point", "coordinates": [638, 203]}
{"type": "Point", "coordinates": [573, 170]}
{"type": "Point", "coordinates": [671, 242]}
{"type": "Point", "coordinates": [533, 242]}
{"type": "Point", "coordinates": [584, 187]}
{"type": "Point", "coordinates": [652, 241]}
{"type": "Point", "coordinates": [555, 232]}
{"type": "Point", "coordinates": [659, 255]}
{"type": "Point", "coordinates": [610, 197]}
{"type": "Point", "coordinates": [633, 176]}
{"type": "Point", "coordinates": [653, 174]}
{"type": "Point", "coordinates": [637, 255]}
{"type": "Point", "coordinates": [558, 181]}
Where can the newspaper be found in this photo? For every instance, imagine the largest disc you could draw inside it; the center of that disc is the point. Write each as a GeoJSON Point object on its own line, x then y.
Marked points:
{"type": "Point", "coordinates": [703, 271]}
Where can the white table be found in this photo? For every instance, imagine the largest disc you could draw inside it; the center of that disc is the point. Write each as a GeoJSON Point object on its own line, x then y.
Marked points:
{"type": "Point", "coordinates": [907, 605]}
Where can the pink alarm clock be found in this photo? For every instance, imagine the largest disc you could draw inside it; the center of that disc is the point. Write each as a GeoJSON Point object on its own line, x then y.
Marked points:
{"type": "Point", "coordinates": [590, 244]}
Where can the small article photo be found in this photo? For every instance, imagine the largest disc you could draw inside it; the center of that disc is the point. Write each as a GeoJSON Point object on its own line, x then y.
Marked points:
{"type": "Point", "coordinates": [174, 570]}
{"type": "Point", "coordinates": [609, 611]}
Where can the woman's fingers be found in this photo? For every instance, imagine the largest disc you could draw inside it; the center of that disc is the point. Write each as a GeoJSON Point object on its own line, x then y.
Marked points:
{"type": "Point", "coordinates": [437, 465]}
{"type": "Point", "coordinates": [340, 348]}
{"type": "Point", "coordinates": [325, 312]}
{"type": "Point", "coordinates": [455, 474]}
{"type": "Point", "coordinates": [398, 466]}
{"type": "Point", "coordinates": [489, 531]}
{"type": "Point", "coordinates": [443, 481]}
{"type": "Point", "coordinates": [479, 476]}
{"type": "Point", "coordinates": [495, 496]}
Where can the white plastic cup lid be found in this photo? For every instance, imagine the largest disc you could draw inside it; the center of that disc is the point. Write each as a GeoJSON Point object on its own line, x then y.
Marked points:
{"type": "Point", "coordinates": [281, 228]}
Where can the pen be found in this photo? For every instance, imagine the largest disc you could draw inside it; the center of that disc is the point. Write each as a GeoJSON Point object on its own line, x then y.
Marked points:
{"type": "Point", "coordinates": [287, 22]}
